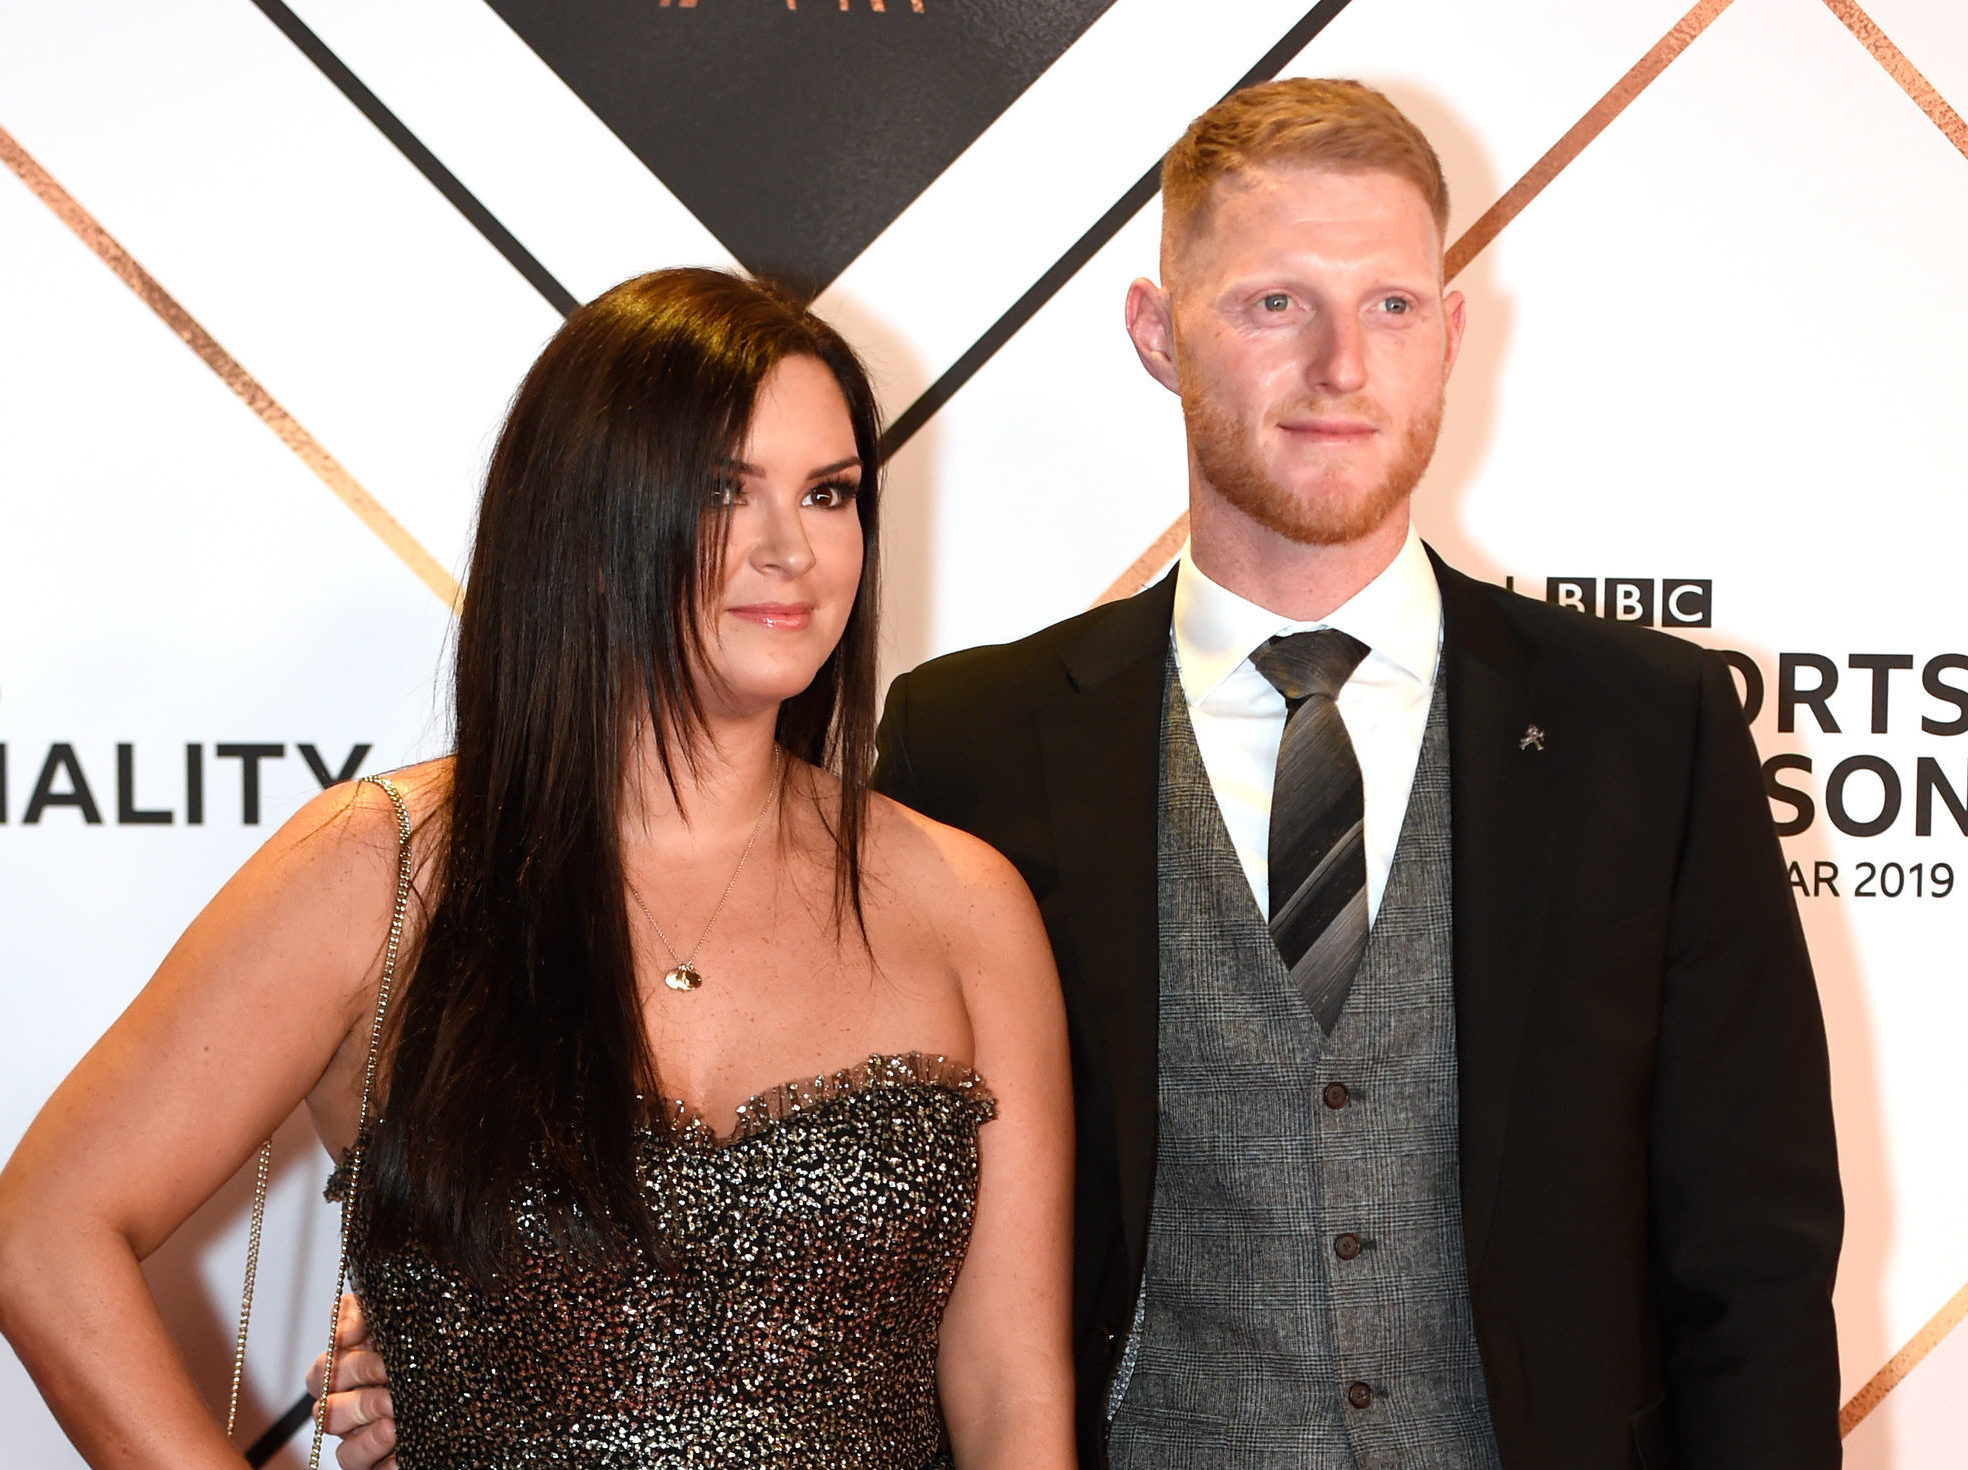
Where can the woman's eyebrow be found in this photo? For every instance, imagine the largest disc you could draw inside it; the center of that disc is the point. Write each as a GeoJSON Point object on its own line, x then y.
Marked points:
{"type": "Point", "coordinates": [852, 462]}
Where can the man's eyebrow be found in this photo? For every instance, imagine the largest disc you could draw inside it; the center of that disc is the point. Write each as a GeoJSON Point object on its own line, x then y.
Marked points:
{"type": "Point", "coordinates": [852, 462]}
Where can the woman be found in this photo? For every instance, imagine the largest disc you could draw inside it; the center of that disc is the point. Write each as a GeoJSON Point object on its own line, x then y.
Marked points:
{"type": "Point", "coordinates": [652, 870]}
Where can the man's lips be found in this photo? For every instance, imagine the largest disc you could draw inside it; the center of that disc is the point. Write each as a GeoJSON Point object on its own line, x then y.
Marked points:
{"type": "Point", "coordinates": [791, 616]}
{"type": "Point", "coordinates": [1327, 429]}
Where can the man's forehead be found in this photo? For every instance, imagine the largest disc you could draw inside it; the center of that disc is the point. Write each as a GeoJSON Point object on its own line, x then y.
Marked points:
{"type": "Point", "coordinates": [1284, 208]}
{"type": "Point", "coordinates": [1323, 189]}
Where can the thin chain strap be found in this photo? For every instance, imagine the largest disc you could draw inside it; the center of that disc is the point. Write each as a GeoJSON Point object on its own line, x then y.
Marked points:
{"type": "Point", "coordinates": [261, 1172]}
{"type": "Point", "coordinates": [368, 1090]}
{"type": "Point", "coordinates": [383, 988]}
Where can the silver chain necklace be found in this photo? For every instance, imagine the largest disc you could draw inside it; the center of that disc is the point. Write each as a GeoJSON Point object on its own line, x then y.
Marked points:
{"type": "Point", "coordinates": [683, 974]}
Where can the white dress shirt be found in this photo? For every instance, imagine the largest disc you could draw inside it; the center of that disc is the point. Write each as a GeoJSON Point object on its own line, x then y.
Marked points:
{"type": "Point", "coordinates": [1239, 718]}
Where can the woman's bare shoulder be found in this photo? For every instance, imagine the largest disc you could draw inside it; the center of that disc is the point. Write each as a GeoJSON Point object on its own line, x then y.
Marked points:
{"type": "Point", "coordinates": [988, 925]}
{"type": "Point", "coordinates": [923, 854]}
{"type": "Point", "coordinates": [966, 888]}
{"type": "Point", "coordinates": [910, 856]}
{"type": "Point", "coordinates": [351, 827]}
{"type": "Point", "coordinates": [330, 871]}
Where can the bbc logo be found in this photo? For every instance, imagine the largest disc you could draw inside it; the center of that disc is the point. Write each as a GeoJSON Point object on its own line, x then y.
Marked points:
{"type": "Point", "coordinates": [1681, 602]}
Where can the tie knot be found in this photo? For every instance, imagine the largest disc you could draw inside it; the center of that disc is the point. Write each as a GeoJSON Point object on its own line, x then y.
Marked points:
{"type": "Point", "coordinates": [1300, 665]}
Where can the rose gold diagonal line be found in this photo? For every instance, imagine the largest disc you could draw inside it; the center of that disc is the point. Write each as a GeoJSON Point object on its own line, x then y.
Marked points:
{"type": "Point", "coordinates": [1903, 1362]}
{"type": "Point", "coordinates": [1903, 71]}
{"type": "Point", "coordinates": [1494, 219]}
{"type": "Point", "coordinates": [324, 465]}
{"type": "Point", "coordinates": [1144, 566]}
{"type": "Point", "coordinates": [1151, 561]}
{"type": "Point", "coordinates": [1581, 134]}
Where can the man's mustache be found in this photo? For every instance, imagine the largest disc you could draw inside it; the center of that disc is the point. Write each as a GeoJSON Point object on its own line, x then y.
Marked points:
{"type": "Point", "coordinates": [1363, 410]}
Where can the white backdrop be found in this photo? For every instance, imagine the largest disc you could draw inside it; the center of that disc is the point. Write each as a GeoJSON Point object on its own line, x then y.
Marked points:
{"type": "Point", "coordinates": [1723, 345]}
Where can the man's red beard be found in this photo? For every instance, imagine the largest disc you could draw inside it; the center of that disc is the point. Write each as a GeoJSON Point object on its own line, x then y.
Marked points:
{"type": "Point", "coordinates": [1226, 451]}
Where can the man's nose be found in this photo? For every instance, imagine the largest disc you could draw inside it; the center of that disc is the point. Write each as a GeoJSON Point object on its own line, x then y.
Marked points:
{"type": "Point", "coordinates": [781, 545]}
{"type": "Point", "coordinates": [1337, 364]}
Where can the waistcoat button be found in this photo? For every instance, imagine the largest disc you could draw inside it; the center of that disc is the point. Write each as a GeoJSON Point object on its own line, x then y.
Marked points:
{"type": "Point", "coordinates": [1336, 1095]}
{"type": "Point", "coordinates": [1347, 1246]}
{"type": "Point", "coordinates": [1359, 1396]}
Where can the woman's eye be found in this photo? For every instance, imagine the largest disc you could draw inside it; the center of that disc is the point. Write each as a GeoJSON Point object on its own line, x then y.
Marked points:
{"type": "Point", "coordinates": [1274, 301]}
{"type": "Point", "coordinates": [830, 497]}
{"type": "Point", "coordinates": [723, 497]}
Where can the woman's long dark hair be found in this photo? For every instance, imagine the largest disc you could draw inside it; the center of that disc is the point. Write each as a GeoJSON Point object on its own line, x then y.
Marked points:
{"type": "Point", "coordinates": [516, 1051]}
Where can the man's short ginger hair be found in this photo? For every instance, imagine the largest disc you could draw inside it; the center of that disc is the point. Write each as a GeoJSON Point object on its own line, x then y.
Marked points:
{"type": "Point", "coordinates": [1301, 123]}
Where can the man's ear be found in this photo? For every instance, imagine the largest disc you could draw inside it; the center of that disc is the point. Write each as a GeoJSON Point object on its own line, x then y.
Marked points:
{"type": "Point", "coordinates": [1454, 308]}
{"type": "Point", "coordinates": [1151, 327]}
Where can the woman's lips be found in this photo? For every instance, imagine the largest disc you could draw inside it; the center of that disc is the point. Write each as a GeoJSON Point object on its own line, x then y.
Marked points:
{"type": "Point", "coordinates": [791, 616]}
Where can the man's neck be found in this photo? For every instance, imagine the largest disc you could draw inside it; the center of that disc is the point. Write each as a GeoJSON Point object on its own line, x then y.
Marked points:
{"type": "Point", "coordinates": [1295, 581]}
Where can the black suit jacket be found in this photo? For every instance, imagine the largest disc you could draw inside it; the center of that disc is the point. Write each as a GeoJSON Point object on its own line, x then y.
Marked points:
{"type": "Point", "coordinates": [1650, 1195]}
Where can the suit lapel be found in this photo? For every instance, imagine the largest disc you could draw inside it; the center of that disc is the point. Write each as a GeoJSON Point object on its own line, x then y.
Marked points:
{"type": "Point", "coordinates": [1100, 742]}
{"type": "Point", "coordinates": [1502, 795]}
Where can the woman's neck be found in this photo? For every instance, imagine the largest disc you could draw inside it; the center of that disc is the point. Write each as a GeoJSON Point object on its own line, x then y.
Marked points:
{"type": "Point", "coordinates": [721, 785]}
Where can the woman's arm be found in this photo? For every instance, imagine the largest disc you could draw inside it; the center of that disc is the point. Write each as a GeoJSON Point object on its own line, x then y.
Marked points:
{"type": "Point", "coordinates": [1005, 1369]}
{"type": "Point", "coordinates": [261, 1003]}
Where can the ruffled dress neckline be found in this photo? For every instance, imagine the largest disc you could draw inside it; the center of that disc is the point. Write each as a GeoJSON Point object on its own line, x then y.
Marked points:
{"type": "Point", "coordinates": [805, 1095]}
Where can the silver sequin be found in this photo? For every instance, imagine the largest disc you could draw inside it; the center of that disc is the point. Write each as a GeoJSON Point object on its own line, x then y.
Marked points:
{"type": "Point", "coordinates": [815, 1250]}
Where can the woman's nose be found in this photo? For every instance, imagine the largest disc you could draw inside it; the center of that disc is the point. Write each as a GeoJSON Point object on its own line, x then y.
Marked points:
{"type": "Point", "coordinates": [782, 545]}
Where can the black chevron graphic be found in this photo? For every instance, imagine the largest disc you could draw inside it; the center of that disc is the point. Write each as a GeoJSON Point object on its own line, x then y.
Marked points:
{"type": "Point", "coordinates": [797, 132]}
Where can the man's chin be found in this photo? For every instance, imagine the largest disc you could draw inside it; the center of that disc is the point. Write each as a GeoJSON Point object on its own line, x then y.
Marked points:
{"type": "Point", "coordinates": [1343, 493]}
{"type": "Point", "coordinates": [1327, 512]}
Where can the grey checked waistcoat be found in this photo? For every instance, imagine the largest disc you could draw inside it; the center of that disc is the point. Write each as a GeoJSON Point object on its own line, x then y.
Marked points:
{"type": "Point", "coordinates": [1256, 1318]}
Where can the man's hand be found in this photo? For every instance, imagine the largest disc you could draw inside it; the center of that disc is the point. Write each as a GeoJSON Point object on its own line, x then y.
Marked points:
{"type": "Point", "coordinates": [359, 1409]}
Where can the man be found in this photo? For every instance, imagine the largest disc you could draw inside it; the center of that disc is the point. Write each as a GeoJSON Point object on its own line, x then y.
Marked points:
{"type": "Point", "coordinates": [1450, 1078]}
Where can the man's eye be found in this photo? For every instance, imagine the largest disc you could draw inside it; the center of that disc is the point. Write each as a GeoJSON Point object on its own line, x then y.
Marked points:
{"type": "Point", "coordinates": [1274, 301]}
{"type": "Point", "coordinates": [1397, 305]}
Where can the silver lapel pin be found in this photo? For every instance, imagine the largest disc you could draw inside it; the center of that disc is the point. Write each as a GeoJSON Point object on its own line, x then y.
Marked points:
{"type": "Point", "coordinates": [1533, 736]}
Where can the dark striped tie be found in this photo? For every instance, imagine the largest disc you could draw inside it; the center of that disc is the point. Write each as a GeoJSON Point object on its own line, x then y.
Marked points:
{"type": "Point", "coordinates": [1318, 857]}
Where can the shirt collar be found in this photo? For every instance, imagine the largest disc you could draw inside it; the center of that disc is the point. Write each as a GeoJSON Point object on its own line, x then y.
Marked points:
{"type": "Point", "coordinates": [1398, 615]}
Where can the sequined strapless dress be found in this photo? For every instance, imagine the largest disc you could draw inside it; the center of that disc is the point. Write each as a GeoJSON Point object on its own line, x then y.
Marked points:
{"type": "Point", "coordinates": [815, 1249]}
